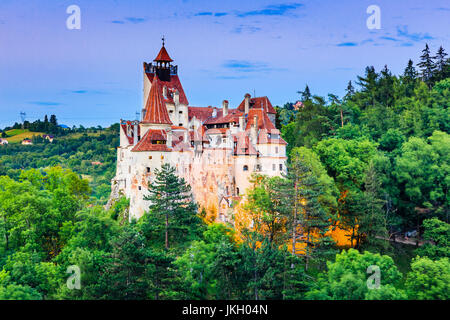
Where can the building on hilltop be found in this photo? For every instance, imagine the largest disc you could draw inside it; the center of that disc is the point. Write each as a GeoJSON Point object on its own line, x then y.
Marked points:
{"type": "Point", "coordinates": [214, 149]}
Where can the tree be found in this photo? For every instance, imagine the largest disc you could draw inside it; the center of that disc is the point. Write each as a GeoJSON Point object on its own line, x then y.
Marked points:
{"type": "Point", "coordinates": [305, 94]}
{"type": "Point", "coordinates": [312, 197]}
{"type": "Point", "coordinates": [441, 65]}
{"type": "Point", "coordinates": [370, 217]}
{"type": "Point", "coordinates": [422, 171]}
{"type": "Point", "coordinates": [348, 278]}
{"type": "Point", "coordinates": [263, 204]}
{"type": "Point", "coordinates": [426, 66]}
{"type": "Point", "coordinates": [172, 208]}
{"type": "Point", "coordinates": [438, 233]}
{"type": "Point", "coordinates": [350, 91]}
{"type": "Point", "coordinates": [428, 279]}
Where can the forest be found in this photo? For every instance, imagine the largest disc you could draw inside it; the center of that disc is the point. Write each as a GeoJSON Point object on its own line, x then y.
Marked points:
{"type": "Point", "coordinates": [374, 163]}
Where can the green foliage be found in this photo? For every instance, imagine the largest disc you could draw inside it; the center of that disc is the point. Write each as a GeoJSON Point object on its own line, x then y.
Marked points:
{"type": "Point", "coordinates": [438, 233]}
{"type": "Point", "coordinates": [347, 278]}
{"type": "Point", "coordinates": [428, 279]}
{"type": "Point", "coordinates": [172, 213]}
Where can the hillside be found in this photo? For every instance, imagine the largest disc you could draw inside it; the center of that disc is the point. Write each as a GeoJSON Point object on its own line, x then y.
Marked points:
{"type": "Point", "coordinates": [17, 135]}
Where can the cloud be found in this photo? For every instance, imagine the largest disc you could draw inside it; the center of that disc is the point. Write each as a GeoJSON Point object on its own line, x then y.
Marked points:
{"type": "Point", "coordinates": [246, 66]}
{"type": "Point", "coordinates": [347, 44]}
{"type": "Point", "coordinates": [402, 31]}
{"type": "Point", "coordinates": [272, 10]}
{"type": "Point", "coordinates": [220, 14]}
{"type": "Point", "coordinates": [203, 14]}
{"type": "Point", "coordinates": [133, 20]}
{"type": "Point", "coordinates": [246, 29]}
{"type": "Point", "coordinates": [82, 91]}
{"type": "Point", "coordinates": [45, 103]}
{"type": "Point", "coordinates": [389, 38]}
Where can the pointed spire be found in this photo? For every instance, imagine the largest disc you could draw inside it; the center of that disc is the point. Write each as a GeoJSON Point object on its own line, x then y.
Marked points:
{"type": "Point", "coordinates": [163, 56]}
{"type": "Point", "coordinates": [156, 112]}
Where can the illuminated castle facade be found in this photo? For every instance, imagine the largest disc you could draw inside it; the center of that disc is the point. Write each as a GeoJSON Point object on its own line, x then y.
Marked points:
{"type": "Point", "coordinates": [215, 149]}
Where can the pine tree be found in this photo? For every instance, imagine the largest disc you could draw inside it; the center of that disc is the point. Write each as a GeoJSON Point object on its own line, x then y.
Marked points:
{"type": "Point", "coordinates": [368, 85]}
{"type": "Point", "coordinates": [426, 66]}
{"type": "Point", "coordinates": [386, 87]}
{"type": "Point", "coordinates": [309, 221]}
{"type": "Point", "coordinates": [350, 91]}
{"type": "Point", "coordinates": [305, 94]}
{"type": "Point", "coordinates": [409, 78]}
{"type": "Point", "coordinates": [172, 208]}
{"type": "Point", "coordinates": [441, 65]}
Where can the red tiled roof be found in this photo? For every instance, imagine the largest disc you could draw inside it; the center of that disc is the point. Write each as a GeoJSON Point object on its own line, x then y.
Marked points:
{"type": "Point", "coordinates": [232, 116]}
{"type": "Point", "coordinates": [263, 120]}
{"type": "Point", "coordinates": [173, 85]}
{"type": "Point", "coordinates": [155, 108]}
{"type": "Point", "coordinates": [163, 56]}
{"type": "Point", "coordinates": [260, 103]}
{"type": "Point", "coordinates": [200, 113]}
{"type": "Point", "coordinates": [145, 144]}
{"type": "Point", "coordinates": [275, 138]}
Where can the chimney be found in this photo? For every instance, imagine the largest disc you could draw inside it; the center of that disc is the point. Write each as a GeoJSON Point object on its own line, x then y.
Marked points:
{"type": "Point", "coordinates": [254, 129]}
{"type": "Point", "coordinates": [169, 138]}
{"type": "Point", "coordinates": [176, 97]}
{"type": "Point", "coordinates": [247, 103]}
{"type": "Point", "coordinates": [135, 133]}
{"type": "Point", "coordinates": [241, 123]}
{"type": "Point", "coordinates": [225, 107]}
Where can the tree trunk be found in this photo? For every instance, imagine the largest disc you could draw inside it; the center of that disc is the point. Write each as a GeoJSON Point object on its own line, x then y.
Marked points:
{"type": "Point", "coordinates": [294, 224]}
{"type": "Point", "coordinates": [342, 118]}
{"type": "Point", "coordinates": [167, 231]}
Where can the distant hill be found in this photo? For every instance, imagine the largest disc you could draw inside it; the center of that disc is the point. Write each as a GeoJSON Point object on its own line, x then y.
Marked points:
{"type": "Point", "coordinates": [17, 135]}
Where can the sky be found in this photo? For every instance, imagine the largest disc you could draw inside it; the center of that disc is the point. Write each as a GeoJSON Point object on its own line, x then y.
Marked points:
{"type": "Point", "coordinates": [224, 49]}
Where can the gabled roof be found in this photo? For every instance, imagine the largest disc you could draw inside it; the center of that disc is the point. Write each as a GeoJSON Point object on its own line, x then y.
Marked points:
{"type": "Point", "coordinates": [200, 113]}
{"type": "Point", "coordinates": [260, 103]}
{"type": "Point", "coordinates": [232, 116]}
{"type": "Point", "coordinates": [146, 143]}
{"type": "Point", "coordinates": [263, 120]}
{"type": "Point", "coordinates": [163, 56]}
{"type": "Point", "coordinates": [173, 85]}
{"type": "Point", "coordinates": [155, 108]}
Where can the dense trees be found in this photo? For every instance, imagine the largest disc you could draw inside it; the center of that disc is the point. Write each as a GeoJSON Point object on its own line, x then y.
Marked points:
{"type": "Point", "coordinates": [374, 163]}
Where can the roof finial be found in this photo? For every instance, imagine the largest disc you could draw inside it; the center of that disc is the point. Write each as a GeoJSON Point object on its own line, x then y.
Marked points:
{"type": "Point", "coordinates": [163, 40]}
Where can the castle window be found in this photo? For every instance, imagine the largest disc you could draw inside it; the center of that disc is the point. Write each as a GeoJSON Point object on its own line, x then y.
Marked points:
{"type": "Point", "coordinates": [276, 150]}
{"type": "Point", "coordinates": [281, 167]}
{"type": "Point", "coordinates": [274, 167]}
{"type": "Point", "coordinates": [170, 111]}
{"type": "Point", "coordinates": [180, 124]}
{"type": "Point", "coordinates": [237, 191]}
{"type": "Point", "coordinates": [148, 169]}
{"type": "Point", "coordinates": [181, 112]}
{"type": "Point", "coordinates": [140, 188]}
{"type": "Point", "coordinates": [150, 157]}
{"type": "Point", "coordinates": [245, 168]}
{"type": "Point", "coordinates": [258, 167]}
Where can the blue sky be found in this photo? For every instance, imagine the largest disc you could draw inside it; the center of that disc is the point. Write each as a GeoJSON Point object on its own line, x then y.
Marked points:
{"type": "Point", "coordinates": [223, 49]}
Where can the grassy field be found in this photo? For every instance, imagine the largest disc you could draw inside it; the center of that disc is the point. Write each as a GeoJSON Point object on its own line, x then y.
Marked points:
{"type": "Point", "coordinates": [17, 135]}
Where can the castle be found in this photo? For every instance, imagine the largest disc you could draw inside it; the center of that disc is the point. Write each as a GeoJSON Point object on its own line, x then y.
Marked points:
{"type": "Point", "coordinates": [214, 149]}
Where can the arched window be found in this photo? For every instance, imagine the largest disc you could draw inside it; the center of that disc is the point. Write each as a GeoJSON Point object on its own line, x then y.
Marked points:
{"type": "Point", "coordinates": [245, 168]}
{"type": "Point", "coordinates": [237, 191]}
